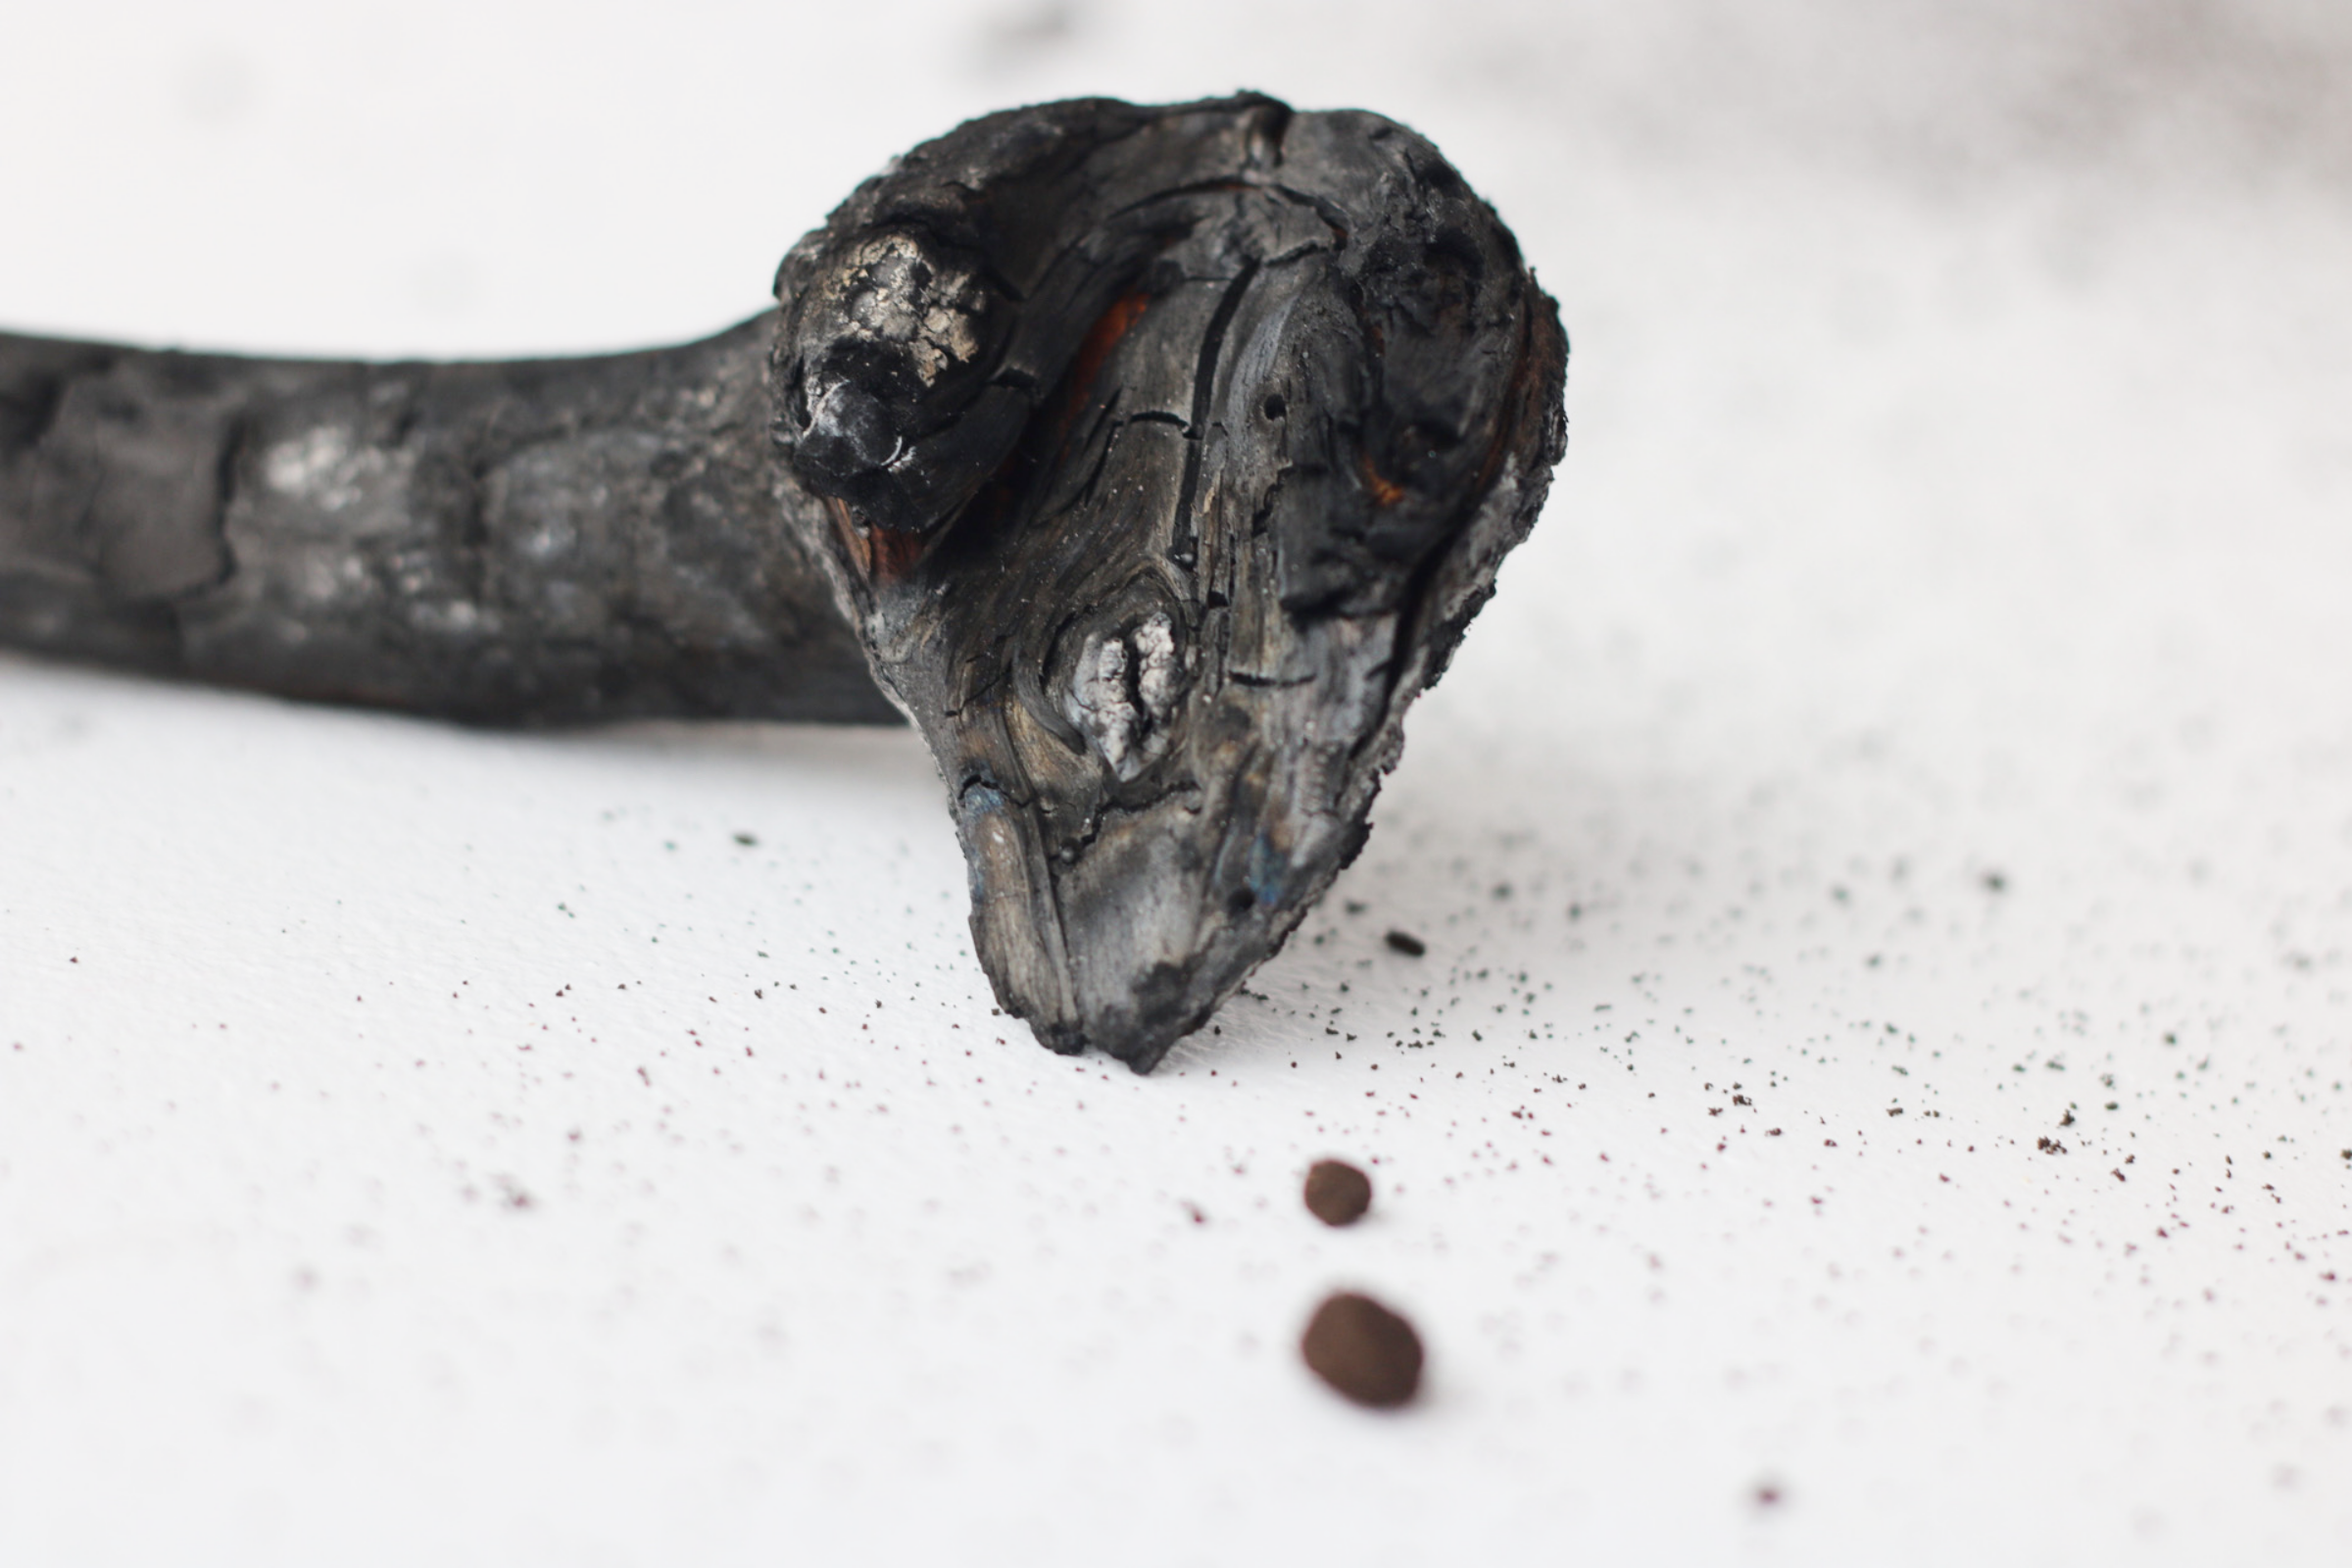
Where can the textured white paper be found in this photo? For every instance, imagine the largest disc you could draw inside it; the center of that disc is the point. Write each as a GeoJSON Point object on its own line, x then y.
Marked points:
{"type": "Point", "coordinates": [1919, 729]}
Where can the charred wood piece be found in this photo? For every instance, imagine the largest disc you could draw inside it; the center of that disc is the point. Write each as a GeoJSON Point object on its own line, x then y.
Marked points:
{"type": "Point", "coordinates": [1150, 459]}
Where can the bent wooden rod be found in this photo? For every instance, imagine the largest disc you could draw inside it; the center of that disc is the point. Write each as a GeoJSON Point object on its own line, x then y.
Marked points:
{"type": "Point", "coordinates": [1150, 459]}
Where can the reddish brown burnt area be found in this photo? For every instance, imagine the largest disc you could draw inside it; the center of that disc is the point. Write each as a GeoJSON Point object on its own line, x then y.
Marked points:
{"type": "Point", "coordinates": [851, 537]}
{"type": "Point", "coordinates": [1386, 492]}
{"type": "Point", "coordinates": [881, 556]}
{"type": "Point", "coordinates": [893, 554]}
{"type": "Point", "coordinates": [1113, 325]}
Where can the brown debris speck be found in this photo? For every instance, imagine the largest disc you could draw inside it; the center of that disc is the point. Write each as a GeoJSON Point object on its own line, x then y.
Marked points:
{"type": "Point", "coordinates": [1336, 1193]}
{"type": "Point", "coordinates": [1365, 1352]}
{"type": "Point", "coordinates": [1404, 942]}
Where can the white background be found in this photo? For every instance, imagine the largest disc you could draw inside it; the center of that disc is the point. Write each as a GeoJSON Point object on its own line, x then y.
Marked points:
{"type": "Point", "coordinates": [1926, 694]}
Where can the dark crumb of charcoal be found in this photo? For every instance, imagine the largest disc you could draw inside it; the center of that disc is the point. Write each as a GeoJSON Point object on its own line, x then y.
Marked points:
{"type": "Point", "coordinates": [747, 840]}
{"type": "Point", "coordinates": [1336, 1193]}
{"type": "Point", "coordinates": [1363, 1351]}
{"type": "Point", "coordinates": [1407, 943]}
{"type": "Point", "coordinates": [1995, 882]}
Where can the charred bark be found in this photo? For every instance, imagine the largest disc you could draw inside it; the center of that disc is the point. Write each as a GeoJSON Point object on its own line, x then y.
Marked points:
{"type": "Point", "coordinates": [1151, 460]}
{"type": "Point", "coordinates": [531, 543]}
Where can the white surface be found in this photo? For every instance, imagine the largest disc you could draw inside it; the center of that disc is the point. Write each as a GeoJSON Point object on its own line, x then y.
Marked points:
{"type": "Point", "coordinates": [426, 1145]}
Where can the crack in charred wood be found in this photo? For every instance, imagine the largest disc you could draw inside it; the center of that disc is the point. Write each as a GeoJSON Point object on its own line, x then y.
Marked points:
{"type": "Point", "coordinates": [1204, 377]}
